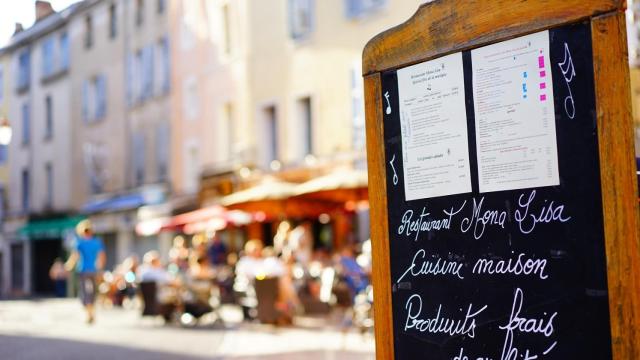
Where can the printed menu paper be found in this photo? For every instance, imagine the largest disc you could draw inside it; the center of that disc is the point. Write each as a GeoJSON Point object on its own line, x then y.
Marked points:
{"type": "Point", "coordinates": [515, 120]}
{"type": "Point", "coordinates": [433, 123]}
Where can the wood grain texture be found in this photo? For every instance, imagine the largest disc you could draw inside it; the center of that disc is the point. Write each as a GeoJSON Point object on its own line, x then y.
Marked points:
{"type": "Point", "coordinates": [446, 26]}
{"type": "Point", "coordinates": [619, 188]}
{"type": "Point", "coordinates": [381, 269]}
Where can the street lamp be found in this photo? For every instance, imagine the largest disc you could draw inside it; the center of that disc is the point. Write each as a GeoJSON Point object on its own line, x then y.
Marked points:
{"type": "Point", "coordinates": [5, 132]}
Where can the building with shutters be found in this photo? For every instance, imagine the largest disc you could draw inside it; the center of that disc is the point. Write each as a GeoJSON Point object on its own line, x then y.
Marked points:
{"type": "Point", "coordinates": [148, 110]}
{"type": "Point", "coordinates": [121, 116]}
{"type": "Point", "coordinates": [39, 111]}
{"type": "Point", "coordinates": [89, 109]}
{"type": "Point", "coordinates": [268, 95]}
{"type": "Point", "coordinates": [5, 87]}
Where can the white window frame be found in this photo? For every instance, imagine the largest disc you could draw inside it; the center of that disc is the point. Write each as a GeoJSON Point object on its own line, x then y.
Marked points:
{"type": "Point", "coordinates": [296, 13]}
{"type": "Point", "coordinates": [358, 9]}
{"type": "Point", "coordinates": [270, 151]}
{"type": "Point", "coordinates": [358, 138]}
{"type": "Point", "coordinates": [49, 66]}
{"type": "Point", "coordinates": [1, 82]}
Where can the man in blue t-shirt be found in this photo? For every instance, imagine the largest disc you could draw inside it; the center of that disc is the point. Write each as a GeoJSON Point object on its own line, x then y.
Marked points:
{"type": "Point", "coordinates": [88, 258]}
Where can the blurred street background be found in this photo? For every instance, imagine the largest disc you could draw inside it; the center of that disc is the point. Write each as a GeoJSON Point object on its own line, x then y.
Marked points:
{"type": "Point", "coordinates": [217, 148]}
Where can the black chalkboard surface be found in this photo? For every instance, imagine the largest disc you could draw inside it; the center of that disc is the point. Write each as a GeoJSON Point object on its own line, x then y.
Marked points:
{"type": "Point", "coordinates": [517, 274]}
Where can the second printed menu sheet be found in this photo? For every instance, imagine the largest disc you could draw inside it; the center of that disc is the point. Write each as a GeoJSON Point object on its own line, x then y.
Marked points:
{"type": "Point", "coordinates": [514, 111]}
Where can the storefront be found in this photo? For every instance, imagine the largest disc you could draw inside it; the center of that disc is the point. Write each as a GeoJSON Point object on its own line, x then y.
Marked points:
{"type": "Point", "coordinates": [14, 265]}
{"type": "Point", "coordinates": [228, 225]}
{"type": "Point", "coordinates": [45, 240]}
{"type": "Point", "coordinates": [334, 205]}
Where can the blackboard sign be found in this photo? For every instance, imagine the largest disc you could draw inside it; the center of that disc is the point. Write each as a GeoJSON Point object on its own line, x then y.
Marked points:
{"type": "Point", "coordinates": [494, 202]}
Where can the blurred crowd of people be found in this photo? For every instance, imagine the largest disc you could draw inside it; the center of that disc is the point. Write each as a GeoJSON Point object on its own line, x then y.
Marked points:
{"type": "Point", "coordinates": [272, 284]}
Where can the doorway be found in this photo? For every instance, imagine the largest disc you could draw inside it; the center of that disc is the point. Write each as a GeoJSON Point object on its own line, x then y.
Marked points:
{"type": "Point", "coordinates": [17, 267]}
{"type": "Point", "coordinates": [42, 257]}
{"type": "Point", "coordinates": [109, 241]}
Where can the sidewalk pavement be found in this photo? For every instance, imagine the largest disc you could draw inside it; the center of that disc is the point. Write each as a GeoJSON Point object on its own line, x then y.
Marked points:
{"type": "Point", "coordinates": [55, 329]}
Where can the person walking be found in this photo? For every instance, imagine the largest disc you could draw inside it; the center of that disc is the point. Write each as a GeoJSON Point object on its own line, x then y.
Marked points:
{"type": "Point", "coordinates": [88, 258]}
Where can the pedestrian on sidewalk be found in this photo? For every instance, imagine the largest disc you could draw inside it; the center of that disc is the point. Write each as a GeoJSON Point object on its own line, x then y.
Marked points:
{"type": "Point", "coordinates": [88, 258]}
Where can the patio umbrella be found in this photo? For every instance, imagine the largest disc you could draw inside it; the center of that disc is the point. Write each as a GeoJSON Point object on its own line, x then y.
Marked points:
{"type": "Point", "coordinates": [341, 185]}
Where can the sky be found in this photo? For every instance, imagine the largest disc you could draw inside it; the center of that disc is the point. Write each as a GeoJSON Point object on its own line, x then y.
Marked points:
{"type": "Point", "coordinates": [22, 11]}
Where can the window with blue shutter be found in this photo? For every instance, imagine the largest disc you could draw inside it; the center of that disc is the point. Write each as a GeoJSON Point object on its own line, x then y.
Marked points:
{"type": "Point", "coordinates": [48, 108]}
{"type": "Point", "coordinates": [138, 158]}
{"type": "Point", "coordinates": [64, 51]}
{"type": "Point", "coordinates": [301, 18]}
{"type": "Point", "coordinates": [26, 190]}
{"type": "Point", "coordinates": [353, 8]}
{"type": "Point", "coordinates": [357, 108]}
{"type": "Point", "coordinates": [143, 74]}
{"type": "Point", "coordinates": [26, 124]}
{"type": "Point", "coordinates": [138, 75]}
{"type": "Point", "coordinates": [48, 64]}
{"type": "Point", "coordinates": [85, 101]}
{"type": "Point", "coordinates": [4, 154]}
{"type": "Point", "coordinates": [359, 8]}
{"type": "Point", "coordinates": [149, 71]}
{"type": "Point", "coordinates": [101, 96]}
{"type": "Point", "coordinates": [48, 169]}
{"type": "Point", "coordinates": [163, 144]}
{"type": "Point", "coordinates": [1, 82]}
{"type": "Point", "coordinates": [166, 64]}
{"type": "Point", "coordinates": [130, 86]}
{"type": "Point", "coordinates": [24, 70]}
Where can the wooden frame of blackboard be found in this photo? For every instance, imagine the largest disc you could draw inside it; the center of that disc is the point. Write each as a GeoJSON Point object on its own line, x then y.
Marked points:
{"type": "Point", "coordinates": [446, 26]}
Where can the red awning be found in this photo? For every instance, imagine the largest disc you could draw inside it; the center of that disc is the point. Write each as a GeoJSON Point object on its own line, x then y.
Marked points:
{"type": "Point", "coordinates": [209, 218]}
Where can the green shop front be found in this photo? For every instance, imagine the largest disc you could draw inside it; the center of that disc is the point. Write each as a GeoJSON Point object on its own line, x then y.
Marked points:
{"type": "Point", "coordinates": [48, 239]}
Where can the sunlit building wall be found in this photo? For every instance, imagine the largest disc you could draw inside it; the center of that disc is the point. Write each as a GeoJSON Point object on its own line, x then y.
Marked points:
{"type": "Point", "coordinates": [265, 84]}
{"type": "Point", "coordinates": [306, 78]}
{"type": "Point", "coordinates": [211, 127]}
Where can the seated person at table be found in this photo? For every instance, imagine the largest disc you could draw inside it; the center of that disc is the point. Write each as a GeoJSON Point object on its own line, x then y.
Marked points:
{"type": "Point", "coordinates": [217, 252]}
{"type": "Point", "coordinates": [199, 283]}
{"type": "Point", "coordinates": [352, 273]}
{"type": "Point", "coordinates": [153, 271]}
{"type": "Point", "coordinates": [250, 264]}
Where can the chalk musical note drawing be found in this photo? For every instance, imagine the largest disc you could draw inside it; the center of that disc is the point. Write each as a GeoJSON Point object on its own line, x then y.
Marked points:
{"type": "Point", "coordinates": [386, 96]}
{"type": "Point", "coordinates": [395, 175]}
{"type": "Point", "coordinates": [568, 71]}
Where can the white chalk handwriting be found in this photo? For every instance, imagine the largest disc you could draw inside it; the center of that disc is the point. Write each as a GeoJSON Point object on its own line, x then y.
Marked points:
{"type": "Point", "coordinates": [395, 174]}
{"type": "Point", "coordinates": [568, 72]}
{"type": "Point", "coordinates": [439, 324]}
{"type": "Point", "coordinates": [480, 220]}
{"type": "Point", "coordinates": [421, 266]}
{"type": "Point", "coordinates": [519, 266]}
{"type": "Point", "coordinates": [386, 96]}
{"type": "Point", "coordinates": [527, 218]}
{"type": "Point", "coordinates": [520, 324]}
{"type": "Point", "coordinates": [422, 223]}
